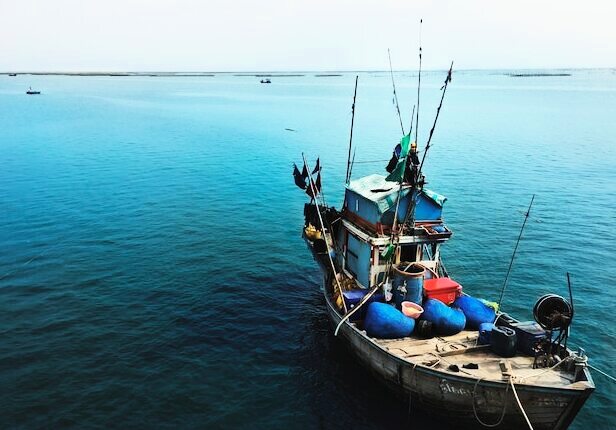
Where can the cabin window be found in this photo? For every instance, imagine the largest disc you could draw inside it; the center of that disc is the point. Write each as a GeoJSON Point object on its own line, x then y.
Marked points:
{"type": "Point", "coordinates": [408, 253]}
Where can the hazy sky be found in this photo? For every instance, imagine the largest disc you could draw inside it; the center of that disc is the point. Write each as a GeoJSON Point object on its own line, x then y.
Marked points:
{"type": "Point", "coordinates": [243, 35]}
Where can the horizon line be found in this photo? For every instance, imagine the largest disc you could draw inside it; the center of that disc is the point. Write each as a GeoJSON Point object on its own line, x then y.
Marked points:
{"type": "Point", "coordinates": [264, 72]}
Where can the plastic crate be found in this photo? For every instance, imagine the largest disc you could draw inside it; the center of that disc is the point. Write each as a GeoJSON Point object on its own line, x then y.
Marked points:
{"type": "Point", "coordinates": [444, 289]}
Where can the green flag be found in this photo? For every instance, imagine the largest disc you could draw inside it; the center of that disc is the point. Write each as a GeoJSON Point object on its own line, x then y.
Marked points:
{"type": "Point", "coordinates": [404, 145]}
{"type": "Point", "coordinates": [398, 173]}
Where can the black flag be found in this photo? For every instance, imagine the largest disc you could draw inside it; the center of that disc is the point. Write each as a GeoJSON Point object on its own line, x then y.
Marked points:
{"type": "Point", "coordinates": [300, 181]}
{"type": "Point", "coordinates": [316, 186]}
{"type": "Point", "coordinates": [317, 167]}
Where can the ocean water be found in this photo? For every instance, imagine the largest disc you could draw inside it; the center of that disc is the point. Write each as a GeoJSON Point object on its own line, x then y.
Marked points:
{"type": "Point", "coordinates": [152, 272]}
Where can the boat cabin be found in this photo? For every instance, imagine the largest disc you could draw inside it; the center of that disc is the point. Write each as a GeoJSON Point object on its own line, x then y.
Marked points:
{"type": "Point", "coordinates": [370, 207]}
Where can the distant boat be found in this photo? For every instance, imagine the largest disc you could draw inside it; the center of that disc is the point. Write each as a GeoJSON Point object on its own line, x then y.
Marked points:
{"type": "Point", "coordinates": [12, 74]}
{"type": "Point", "coordinates": [31, 91]}
{"type": "Point", "coordinates": [266, 81]}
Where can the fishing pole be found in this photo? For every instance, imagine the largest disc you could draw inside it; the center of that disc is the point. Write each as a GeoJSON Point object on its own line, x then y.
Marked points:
{"type": "Point", "coordinates": [352, 164]}
{"type": "Point", "coordinates": [351, 138]}
{"type": "Point", "coordinates": [418, 82]}
{"type": "Point", "coordinates": [570, 294]}
{"type": "Point", "coordinates": [391, 71]}
{"type": "Point", "coordinates": [514, 251]}
{"type": "Point", "coordinates": [411, 208]}
{"type": "Point", "coordinates": [438, 111]}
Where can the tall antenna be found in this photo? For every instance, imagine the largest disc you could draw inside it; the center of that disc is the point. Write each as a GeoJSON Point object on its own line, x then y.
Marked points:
{"type": "Point", "coordinates": [514, 251]}
{"type": "Point", "coordinates": [348, 171]}
{"type": "Point", "coordinates": [418, 83]}
{"type": "Point", "coordinates": [391, 71]}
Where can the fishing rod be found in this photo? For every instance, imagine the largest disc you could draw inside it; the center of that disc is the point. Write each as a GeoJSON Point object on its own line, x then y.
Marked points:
{"type": "Point", "coordinates": [352, 164]}
{"type": "Point", "coordinates": [391, 71]}
{"type": "Point", "coordinates": [438, 111]}
{"type": "Point", "coordinates": [418, 82]}
{"type": "Point", "coordinates": [411, 208]}
{"type": "Point", "coordinates": [514, 251]}
{"type": "Point", "coordinates": [570, 294]}
{"type": "Point", "coordinates": [351, 138]}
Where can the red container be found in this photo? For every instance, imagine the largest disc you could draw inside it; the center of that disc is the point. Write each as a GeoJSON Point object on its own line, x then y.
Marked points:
{"type": "Point", "coordinates": [444, 289]}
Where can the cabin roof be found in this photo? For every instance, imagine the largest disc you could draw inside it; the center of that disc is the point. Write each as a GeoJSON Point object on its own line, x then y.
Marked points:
{"type": "Point", "coordinates": [384, 193]}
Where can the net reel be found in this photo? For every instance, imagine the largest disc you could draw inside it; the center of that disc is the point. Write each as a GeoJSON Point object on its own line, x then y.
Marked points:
{"type": "Point", "coordinates": [554, 314]}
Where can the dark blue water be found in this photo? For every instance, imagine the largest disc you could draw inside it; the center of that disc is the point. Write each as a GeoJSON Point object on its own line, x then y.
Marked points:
{"type": "Point", "coordinates": [152, 272]}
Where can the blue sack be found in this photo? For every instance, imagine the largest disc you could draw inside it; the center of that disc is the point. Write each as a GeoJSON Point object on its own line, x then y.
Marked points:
{"type": "Point", "coordinates": [445, 321]}
{"type": "Point", "coordinates": [384, 321]}
{"type": "Point", "coordinates": [475, 311]}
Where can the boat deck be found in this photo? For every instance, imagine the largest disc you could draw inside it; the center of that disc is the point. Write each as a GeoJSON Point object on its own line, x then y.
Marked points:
{"type": "Point", "coordinates": [443, 353]}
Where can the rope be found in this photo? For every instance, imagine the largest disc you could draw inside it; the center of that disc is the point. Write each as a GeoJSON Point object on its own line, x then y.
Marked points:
{"type": "Point", "coordinates": [502, 417]}
{"type": "Point", "coordinates": [411, 388]}
{"type": "Point", "coordinates": [546, 370]}
{"type": "Point", "coordinates": [356, 308]}
{"type": "Point", "coordinates": [371, 161]}
{"type": "Point", "coordinates": [601, 372]}
{"type": "Point", "coordinates": [530, 426]}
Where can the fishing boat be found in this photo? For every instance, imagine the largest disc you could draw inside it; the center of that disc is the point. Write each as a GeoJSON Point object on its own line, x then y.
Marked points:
{"type": "Point", "coordinates": [461, 359]}
{"type": "Point", "coordinates": [31, 91]}
{"type": "Point", "coordinates": [266, 81]}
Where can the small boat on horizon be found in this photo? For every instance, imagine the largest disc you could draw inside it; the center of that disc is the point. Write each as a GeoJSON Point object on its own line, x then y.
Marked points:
{"type": "Point", "coordinates": [266, 81]}
{"type": "Point", "coordinates": [12, 74]}
{"type": "Point", "coordinates": [404, 318]}
{"type": "Point", "coordinates": [31, 91]}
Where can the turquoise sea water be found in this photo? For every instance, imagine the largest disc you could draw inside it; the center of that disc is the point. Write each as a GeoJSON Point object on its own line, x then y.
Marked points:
{"type": "Point", "coordinates": [152, 272]}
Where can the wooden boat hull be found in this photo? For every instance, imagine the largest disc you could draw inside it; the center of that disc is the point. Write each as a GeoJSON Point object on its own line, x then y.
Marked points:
{"type": "Point", "coordinates": [450, 397]}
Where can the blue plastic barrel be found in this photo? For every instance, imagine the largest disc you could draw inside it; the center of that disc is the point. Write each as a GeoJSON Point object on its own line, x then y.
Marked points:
{"type": "Point", "coordinates": [383, 321]}
{"type": "Point", "coordinates": [475, 311]}
{"type": "Point", "coordinates": [407, 283]}
{"type": "Point", "coordinates": [445, 321]}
